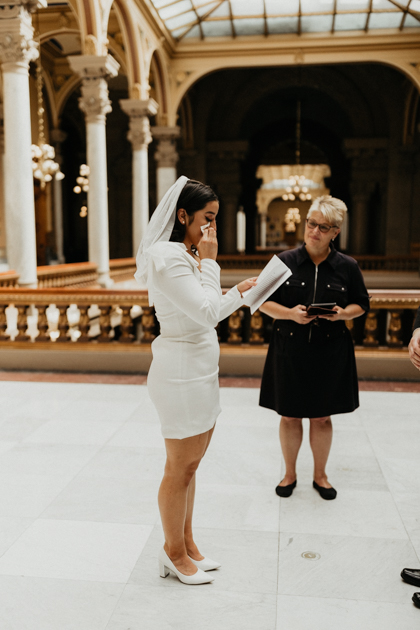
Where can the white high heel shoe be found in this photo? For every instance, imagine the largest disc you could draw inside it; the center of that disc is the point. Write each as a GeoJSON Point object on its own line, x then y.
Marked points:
{"type": "Point", "coordinates": [166, 565]}
{"type": "Point", "coordinates": [206, 564]}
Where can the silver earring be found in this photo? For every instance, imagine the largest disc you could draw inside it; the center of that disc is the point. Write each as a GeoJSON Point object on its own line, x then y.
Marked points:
{"type": "Point", "coordinates": [332, 240]}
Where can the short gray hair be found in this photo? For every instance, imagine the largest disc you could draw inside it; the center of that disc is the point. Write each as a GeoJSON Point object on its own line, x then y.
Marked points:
{"type": "Point", "coordinates": [334, 210]}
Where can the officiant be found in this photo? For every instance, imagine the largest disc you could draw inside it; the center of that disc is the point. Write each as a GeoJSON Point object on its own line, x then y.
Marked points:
{"type": "Point", "coordinates": [310, 370]}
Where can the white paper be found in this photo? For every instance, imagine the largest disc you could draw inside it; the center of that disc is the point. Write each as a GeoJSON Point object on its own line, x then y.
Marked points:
{"type": "Point", "coordinates": [270, 279]}
{"type": "Point", "coordinates": [204, 227]}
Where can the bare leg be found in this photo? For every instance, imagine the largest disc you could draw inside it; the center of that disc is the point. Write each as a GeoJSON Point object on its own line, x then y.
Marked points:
{"type": "Point", "coordinates": [183, 459]}
{"type": "Point", "coordinates": [291, 434]}
{"type": "Point", "coordinates": [190, 545]}
{"type": "Point", "coordinates": [320, 439]}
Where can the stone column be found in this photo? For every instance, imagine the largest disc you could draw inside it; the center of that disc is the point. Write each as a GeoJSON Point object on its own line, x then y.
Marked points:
{"type": "Point", "coordinates": [57, 138]}
{"type": "Point", "coordinates": [3, 257]}
{"type": "Point", "coordinates": [17, 49]}
{"type": "Point", "coordinates": [140, 137]}
{"type": "Point", "coordinates": [369, 167]}
{"type": "Point", "coordinates": [360, 220]}
{"type": "Point", "coordinates": [166, 157]}
{"type": "Point", "coordinates": [95, 104]}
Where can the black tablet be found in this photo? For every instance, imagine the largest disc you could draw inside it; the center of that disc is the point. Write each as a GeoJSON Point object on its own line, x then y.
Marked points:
{"type": "Point", "coordinates": [321, 309]}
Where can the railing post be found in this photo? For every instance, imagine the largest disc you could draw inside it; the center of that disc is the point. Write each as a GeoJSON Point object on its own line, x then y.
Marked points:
{"type": "Point", "coordinates": [22, 323]}
{"type": "Point", "coordinates": [148, 323]}
{"type": "Point", "coordinates": [84, 323]}
{"type": "Point", "coordinates": [371, 329]}
{"type": "Point", "coordinates": [104, 323]}
{"type": "Point", "coordinates": [42, 323]}
{"type": "Point", "coordinates": [63, 325]}
{"type": "Point", "coordinates": [235, 328]}
{"type": "Point", "coordinates": [257, 329]}
{"type": "Point", "coordinates": [395, 329]}
{"type": "Point", "coordinates": [3, 323]}
{"type": "Point", "coordinates": [126, 326]}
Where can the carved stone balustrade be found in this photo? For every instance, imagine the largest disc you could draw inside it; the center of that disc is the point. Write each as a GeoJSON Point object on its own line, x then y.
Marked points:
{"type": "Point", "coordinates": [76, 275]}
{"type": "Point", "coordinates": [93, 317]}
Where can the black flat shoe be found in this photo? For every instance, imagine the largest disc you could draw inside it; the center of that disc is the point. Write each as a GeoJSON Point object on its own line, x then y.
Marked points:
{"type": "Point", "coordinates": [416, 599]}
{"type": "Point", "coordinates": [411, 576]}
{"type": "Point", "coordinates": [286, 491]}
{"type": "Point", "coordinates": [326, 493]}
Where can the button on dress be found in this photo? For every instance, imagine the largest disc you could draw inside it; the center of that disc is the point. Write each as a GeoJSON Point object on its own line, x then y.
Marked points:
{"type": "Point", "coordinates": [183, 378]}
{"type": "Point", "coordinates": [310, 370]}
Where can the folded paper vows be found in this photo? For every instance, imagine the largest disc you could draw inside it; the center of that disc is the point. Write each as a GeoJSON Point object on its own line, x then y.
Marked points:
{"type": "Point", "coordinates": [270, 279]}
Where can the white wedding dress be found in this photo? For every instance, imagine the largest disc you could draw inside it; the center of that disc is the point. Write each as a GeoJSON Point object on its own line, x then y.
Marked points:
{"type": "Point", "coordinates": [183, 378]}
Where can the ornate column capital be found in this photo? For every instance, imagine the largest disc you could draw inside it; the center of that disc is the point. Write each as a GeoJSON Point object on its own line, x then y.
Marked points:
{"type": "Point", "coordinates": [16, 33]}
{"type": "Point", "coordinates": [139, 112]}
{"type": "Point", "coordinates": [94, 71]}
{"type": "Point", "coordinates": [166, 153]}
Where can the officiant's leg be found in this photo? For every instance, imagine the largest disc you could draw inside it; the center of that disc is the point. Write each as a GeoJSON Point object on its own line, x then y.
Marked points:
{"type": "Point", "coordinates": [320, 439]}
{"type": "Point", "coordinates": [291, 434]}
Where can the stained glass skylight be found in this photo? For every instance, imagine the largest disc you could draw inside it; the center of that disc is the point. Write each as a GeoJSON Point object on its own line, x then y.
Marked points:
{"type": "Point", "coordinates": [186, 19]}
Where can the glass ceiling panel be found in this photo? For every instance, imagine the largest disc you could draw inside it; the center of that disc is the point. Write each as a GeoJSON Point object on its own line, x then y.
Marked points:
{"type": "Point", "coordinates": [221, 11]}
{"type": "Point", "coordinates": [175, 9]}
{"type": "Point", "coordinates": [285, 7]}
{"type": "Point", "coordinates": [247, 7]}
{"type": "Point", "coordinates": [205, 8]}
{"type": "Point", "coordinates": [385, 20]}
{"type": "Point", "coordinates": [181, 20]}
{"type": "Point", "coordinates": [317, 6]}
{"type": "Point", "coordinates": [249, 27]}
{"type": "Point", "coordinates": [194, 32]}
{"type": "Point", "coordinates": [352, 5]}
{"type": "Point", "coordinates": [222, 28]}
{"type": "Point", "coordinates": [276, 17]}
{"type": "Point", "coordinates": [282, 25]}
{"type": "Point", "coordinates": [350, 22]}
{"type": "Point", "coordinates": [411, 21]}
{"type": "Point", "coordinates": [316, 23]}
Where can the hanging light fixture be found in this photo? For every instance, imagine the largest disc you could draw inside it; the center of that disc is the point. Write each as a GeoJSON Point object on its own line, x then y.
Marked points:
{"type": "Point", "coordinates": [43, 165]}
{"type": "Point", "coordinates": [82, 185]}
{"type": "Point", "coordinates": [297, 181]}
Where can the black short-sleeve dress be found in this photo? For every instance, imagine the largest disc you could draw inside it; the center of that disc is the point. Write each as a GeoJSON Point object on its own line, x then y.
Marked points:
{"type": "Point", "coordinates": [310, 370]}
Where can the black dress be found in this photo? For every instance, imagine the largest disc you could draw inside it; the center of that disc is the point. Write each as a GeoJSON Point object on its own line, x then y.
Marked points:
{"type": "Point", "coordinates": [310, 370]}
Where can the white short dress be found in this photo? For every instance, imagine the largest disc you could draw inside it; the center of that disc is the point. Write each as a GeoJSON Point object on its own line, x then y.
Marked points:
{"type": "Point", "coordinates": [183, 380]}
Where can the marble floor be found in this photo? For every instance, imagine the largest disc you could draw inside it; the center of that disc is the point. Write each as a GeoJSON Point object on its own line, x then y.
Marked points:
{"type": "Point", "coordinates": [80, 467]}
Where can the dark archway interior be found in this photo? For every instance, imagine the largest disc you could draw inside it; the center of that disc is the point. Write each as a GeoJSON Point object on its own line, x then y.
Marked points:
{"type": "Point", "coordinates": [353, 117]}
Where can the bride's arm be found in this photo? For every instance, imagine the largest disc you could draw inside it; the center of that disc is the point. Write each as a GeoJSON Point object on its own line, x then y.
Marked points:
{"type": "Point", "coordinates": [200, 301]}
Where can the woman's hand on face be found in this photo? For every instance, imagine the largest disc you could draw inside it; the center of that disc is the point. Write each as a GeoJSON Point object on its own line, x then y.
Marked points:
{"type": "Point", "coordinates": [339, 314]}
{"type": "Point", "coordinates": [245, 285]}
{"type": "Point", "coordinates": [207, 246]}
{"type": "Point", "coordinates": [299, 315]}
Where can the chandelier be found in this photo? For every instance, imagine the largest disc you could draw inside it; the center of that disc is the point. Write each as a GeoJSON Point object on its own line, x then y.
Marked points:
{"type": "Point", "coordinates": [43, 165]}
{"type": "Point", "coordinates": [291, 220]}
{"type": "Point", "coordinates": [297, 187]}
{"type": "Point", "coordinates": [82, 185]}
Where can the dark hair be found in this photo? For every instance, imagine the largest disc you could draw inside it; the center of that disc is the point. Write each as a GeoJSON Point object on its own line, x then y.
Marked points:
{"type": "Point", "coordinates": [194, 196]}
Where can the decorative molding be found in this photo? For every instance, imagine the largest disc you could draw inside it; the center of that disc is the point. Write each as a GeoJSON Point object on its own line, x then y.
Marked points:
{"type": "Point", "coordinates": [94, 71]}
{"type": "Point", "coordinates": [139, 112]}
{"type": "Point", "coordinates": [166, 154]}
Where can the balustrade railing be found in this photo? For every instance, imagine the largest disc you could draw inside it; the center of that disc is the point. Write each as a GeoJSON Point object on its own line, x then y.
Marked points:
{"type": "Point", "coordinates": [76, 275]}
{"type": "Point", "coordinates": [89, 316]}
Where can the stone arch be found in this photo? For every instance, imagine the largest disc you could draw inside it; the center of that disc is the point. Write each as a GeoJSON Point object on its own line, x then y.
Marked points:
{"type": "Point", "coordinates": [133, 49]}
{"type": "Point", "coordinates": [161, 79]}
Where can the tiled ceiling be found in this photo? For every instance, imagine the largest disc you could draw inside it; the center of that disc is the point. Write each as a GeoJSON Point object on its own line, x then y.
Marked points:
{"type": "Point", "coordinates": [231, 18]}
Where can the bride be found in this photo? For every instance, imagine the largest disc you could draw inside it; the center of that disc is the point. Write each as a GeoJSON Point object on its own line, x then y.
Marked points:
{"type": "Point", "coordinates": [177, 261]}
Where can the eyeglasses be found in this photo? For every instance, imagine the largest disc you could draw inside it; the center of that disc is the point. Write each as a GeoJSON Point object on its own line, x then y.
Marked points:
{"type": "Point", "coordinates": [322, 227]}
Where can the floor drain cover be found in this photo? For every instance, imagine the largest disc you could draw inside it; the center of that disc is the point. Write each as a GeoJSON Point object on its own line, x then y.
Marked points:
{"type": "Point", "coordinates": [311, 555]}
